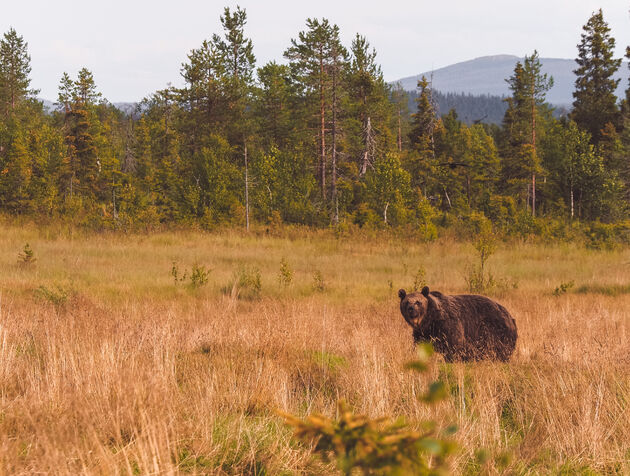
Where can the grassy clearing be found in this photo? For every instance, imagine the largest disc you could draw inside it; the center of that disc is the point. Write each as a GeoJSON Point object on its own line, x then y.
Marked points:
{"type": "Point", "coordinates": [108, 366]}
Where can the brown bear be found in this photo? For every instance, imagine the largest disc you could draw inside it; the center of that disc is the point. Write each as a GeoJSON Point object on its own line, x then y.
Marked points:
{"type": "Point", "coordinates": [460, 327]}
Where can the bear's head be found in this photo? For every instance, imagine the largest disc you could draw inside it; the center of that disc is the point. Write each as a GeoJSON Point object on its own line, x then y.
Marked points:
{"type": "Point", "coordinates": [414, 306]}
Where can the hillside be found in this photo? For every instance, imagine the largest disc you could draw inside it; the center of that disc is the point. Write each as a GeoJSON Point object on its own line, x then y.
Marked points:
{"type": "Point", "coordinates": [487, 75]}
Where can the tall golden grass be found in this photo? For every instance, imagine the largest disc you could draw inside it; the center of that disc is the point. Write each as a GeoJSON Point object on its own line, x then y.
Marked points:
{"type": "Point", "coordinates": [107, 366]}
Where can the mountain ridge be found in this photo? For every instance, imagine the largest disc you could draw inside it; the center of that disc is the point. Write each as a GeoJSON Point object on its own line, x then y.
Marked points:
{"type": "Point", "coordinates": [487, 75]}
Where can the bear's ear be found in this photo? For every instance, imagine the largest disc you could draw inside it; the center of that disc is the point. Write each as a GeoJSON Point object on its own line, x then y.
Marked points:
{"type": "Point", "coordinates": [425, 291]}
{"type": "Point", "coordinates": [402, 293]}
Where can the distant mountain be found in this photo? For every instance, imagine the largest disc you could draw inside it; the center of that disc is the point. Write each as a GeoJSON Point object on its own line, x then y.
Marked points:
{"type": "Point", "coordinates": [487, 75]}
{"type": "Point", "coordinates": [128, 108]}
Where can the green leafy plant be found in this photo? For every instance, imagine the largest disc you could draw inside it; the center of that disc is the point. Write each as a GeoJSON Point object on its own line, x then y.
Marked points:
{"type": "Point", "coordinates": [27, 256]}
{"type": "Point", "coordinates": [285, 276]}
{"type": "Point", "coordinates": [563, 288]}
{"type": "Point", "coordinates": [175, 273]}
{"type": "Point", "coordinates": [246, 283]}
{"type": "Point", "coordinates": [57, 295]}
{"type": "Point", "coordinates": [478, 278]}
{"type": "Point", "coordinates": [379, 446]}
{"type": "Point", "coordinates": [198, 276]}
{"type": "Point", "coordinates": [420, 279]}
{"type": "Point", "coordinates": [318, 282]}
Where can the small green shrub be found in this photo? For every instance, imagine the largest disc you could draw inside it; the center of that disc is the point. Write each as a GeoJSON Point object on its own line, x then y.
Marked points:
{"type": "Point", "coordinates": [602, 236]}
{"type": "Point", "coordinates": [318, 282]}
{"type": "Point", "coordinates": [478, 278]}
{"type": "Point", "coordinates": [58, 295]}
{"type": "Point", "coordinates": [27, 256]}
{"type": "Point", "coordinates": [420, 279]}
{"type": "Point", "coordinates": [285, 276]}
{"type": "Point", "coordinates": [379, 446]}
{"type": "Point", "coordinates": [246, 283]}
{"type": "Point", "coordinates": [175, 273]}
{"type": "Point", "coordinates": [198, 276]}
{"type": "Point", "coordinates": [563, 288]}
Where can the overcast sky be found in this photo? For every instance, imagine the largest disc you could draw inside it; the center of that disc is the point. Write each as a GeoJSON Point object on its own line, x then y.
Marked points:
{"type": "Point", "coordinates": [135, 47]}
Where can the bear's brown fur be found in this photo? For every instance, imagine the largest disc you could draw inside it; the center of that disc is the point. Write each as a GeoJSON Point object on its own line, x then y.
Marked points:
{"type": "Point", "coordinates": [460, 327]}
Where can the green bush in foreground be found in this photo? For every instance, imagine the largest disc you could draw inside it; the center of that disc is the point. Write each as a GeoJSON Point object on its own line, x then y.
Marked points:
{"type": "Point", "coordinates": [380, 446]}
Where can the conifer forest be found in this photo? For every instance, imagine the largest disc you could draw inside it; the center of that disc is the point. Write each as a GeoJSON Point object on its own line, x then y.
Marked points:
{"type": "Point", "coordinates": [318, 139]}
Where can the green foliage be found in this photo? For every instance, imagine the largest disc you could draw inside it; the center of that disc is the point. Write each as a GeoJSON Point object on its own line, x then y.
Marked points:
{"type": "Point", "coordinates": [388, 187]}
{"type": "Point", "coordinates": [318, 282]}
{"type": "Point", "coordinates": [57, 295]}
{"type": "Point", "coordinates": [563, 288]}
{"type": "Point", "coordinates": [27, 256]}
{"type": "Point", "coordinates": [175, 273]}
{"type": "Point", "coordinates": [478, 278]}
{"type": "Point", "coordinates": [379, 446]}
{"type": "Point", "coordinates": [607, 236]}
{"type": "Point", "coordinates": [246, 283]}
{"type": "Point", "coordinates": [198, 276]}
{"type": "Point", "coordinates": [285, 276]}
{"type": "Point", "coordinates": [595, 102]}
{"type": "Point", "coordinates": [420, 279]}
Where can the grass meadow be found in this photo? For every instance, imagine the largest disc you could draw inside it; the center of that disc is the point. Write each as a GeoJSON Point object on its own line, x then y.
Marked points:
{"type": "Point", "coordinates": [108, 365]}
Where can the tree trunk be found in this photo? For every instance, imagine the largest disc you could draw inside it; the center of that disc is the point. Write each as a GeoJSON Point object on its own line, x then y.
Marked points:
{"type": "Point", "coordinates": [535, 153]}
{"type": "Point", "coordinates": [448, 199]}
{"type": "Point", "coordinates": [322, 130]}
{"type": "Point", "coordinates": [368, 146]}
{"type": "Point", "coordinates": [246, 190]}
{"type": "Point", "coordinates": [399, 130]}
{"type": "Point", "coordinates": [333, 181]}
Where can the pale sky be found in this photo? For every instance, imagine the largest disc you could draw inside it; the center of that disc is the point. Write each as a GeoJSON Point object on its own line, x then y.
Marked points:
{"type": "Point", "coordinates": [136, 47]}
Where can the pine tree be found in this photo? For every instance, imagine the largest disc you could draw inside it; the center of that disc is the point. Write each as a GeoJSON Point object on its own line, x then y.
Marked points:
{"type": "Point", "coordinates": [82, 165]}
{"type": "Point", "coordinates": [624, 169]}
{"type": "Point", "coordinates": [204, 96]}
{"type": "Point", "coordinates": [15, 67]}
{"type": "Point", "coordinates": [274, 108]}
{"type": "Point", "coordinates": [237, 53]}
{"type": "Point", "coordinates": [595, 102]}
{"type": "Point", "coordinates": [424, 119]}
{"type": "Point", "coordinates": [370, 107]}
{"type": "Point", "coordinates": [529, 87]}
{"type": "Point", "coordinates": [336, 70]}
{"type": "Point", "coordinates": [309, 58]}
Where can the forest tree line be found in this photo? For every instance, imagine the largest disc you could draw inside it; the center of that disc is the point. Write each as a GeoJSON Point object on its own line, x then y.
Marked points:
{"type": "Point", "coordinates": [319, 139]}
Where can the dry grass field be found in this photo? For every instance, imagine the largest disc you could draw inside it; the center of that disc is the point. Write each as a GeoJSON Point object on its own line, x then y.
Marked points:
{"type": "Point", "coordinates": [108, 366]}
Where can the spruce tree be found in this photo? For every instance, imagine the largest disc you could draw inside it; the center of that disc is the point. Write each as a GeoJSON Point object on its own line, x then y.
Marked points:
{"type": "Point", "coordinates": [15, 67]}
{"type": "Point", "coordinates": [595, 102]}
{"type": "Point", "coordinates": [237, 53]}
{"type": "Point", "coordinates": [423, 121]}
{"type": "Point", "coordinates": [204, 97]}
{"type": "Point", "coordinates": [369, 103]}
{"type": "Point", "coordinates": [529, 87]}
{"type": "Point", "coordinates": [310, 59]}
{"type": "Point", "coordinates": [273, 105]}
